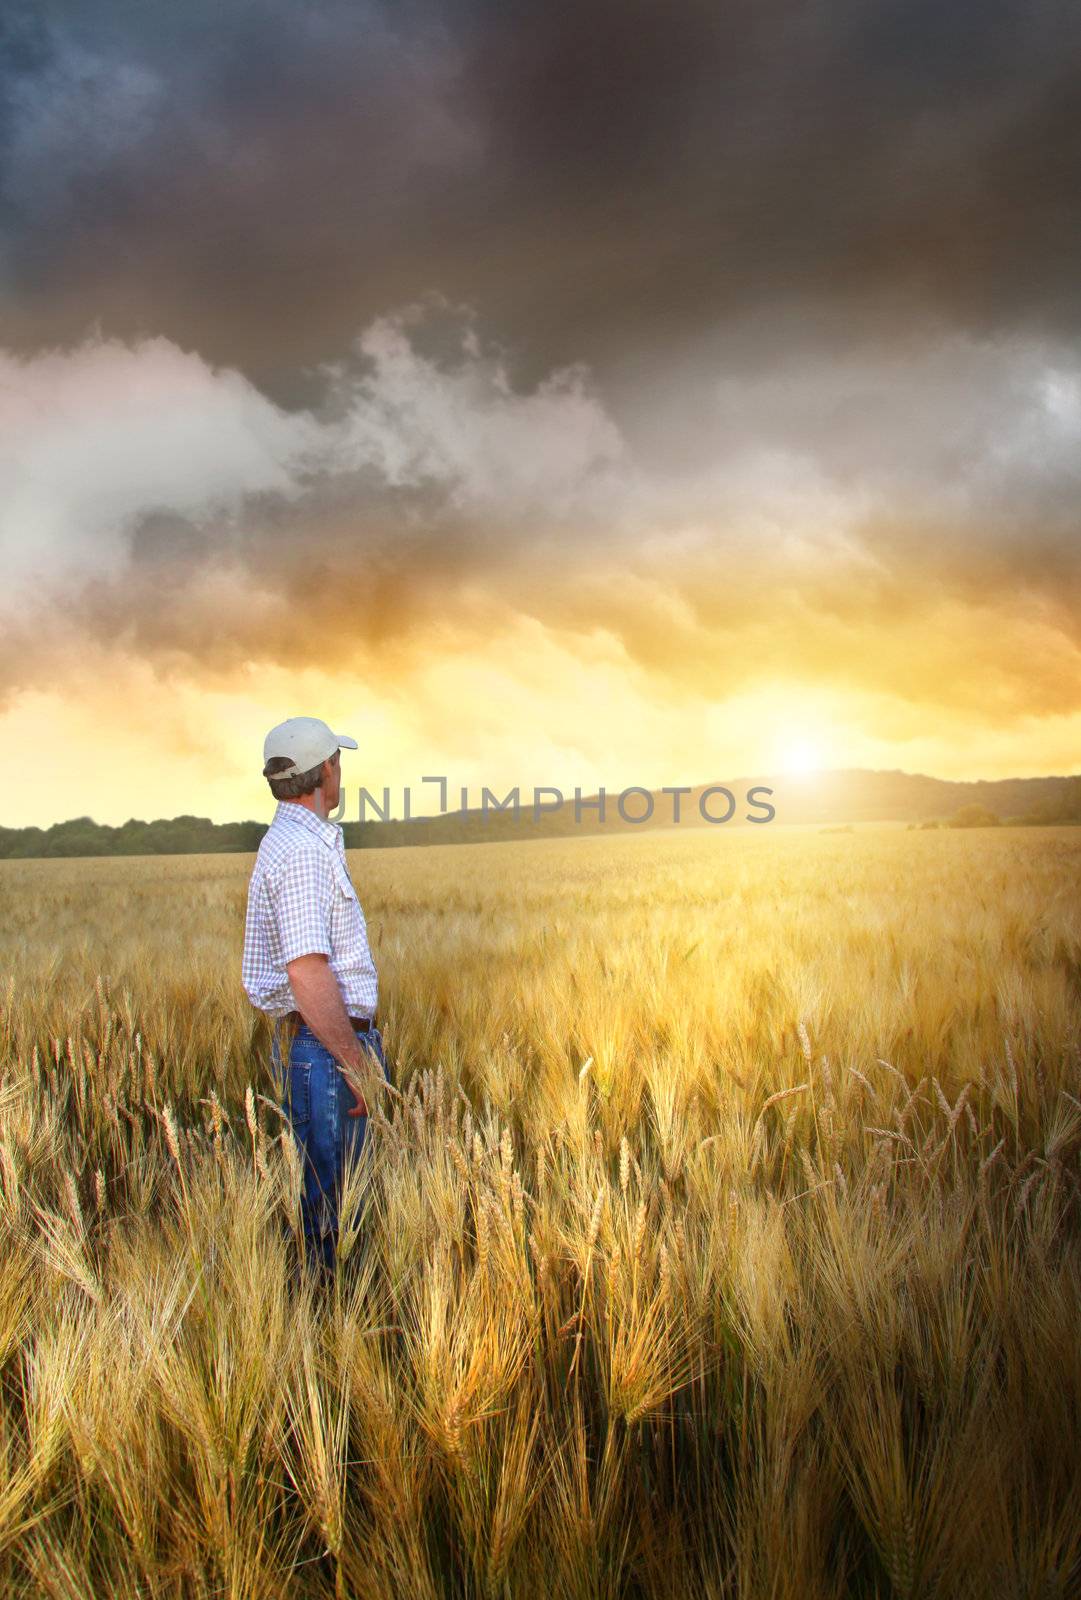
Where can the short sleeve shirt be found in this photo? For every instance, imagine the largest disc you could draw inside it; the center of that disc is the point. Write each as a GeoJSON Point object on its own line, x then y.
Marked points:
{"type": "Point", "coordinates": [301, 901]}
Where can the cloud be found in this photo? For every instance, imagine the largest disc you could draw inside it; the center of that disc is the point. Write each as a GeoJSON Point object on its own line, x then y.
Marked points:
{"type": "Point", "coordinates": [155, 501]}
{"type": "Point", "coordinates": [72, 120]}
{"type": "Point", "coordinates": [94, 439]}
{"type": "Point", "coordinates": [611, 184]}
{"type": "Point", "coordinates": [412, 422]}
{"type": "Point", "coordinates": [788, 380]}
{"type": "Point", "coordinates": [906, 525]}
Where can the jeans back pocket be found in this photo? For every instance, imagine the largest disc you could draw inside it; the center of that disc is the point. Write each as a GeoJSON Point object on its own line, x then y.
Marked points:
{"type": "Point", "coordinates": [299, 1099]}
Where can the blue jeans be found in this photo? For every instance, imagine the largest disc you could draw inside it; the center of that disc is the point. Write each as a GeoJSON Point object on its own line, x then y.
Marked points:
{"type": "Point", "coordinates": [316, 1100]}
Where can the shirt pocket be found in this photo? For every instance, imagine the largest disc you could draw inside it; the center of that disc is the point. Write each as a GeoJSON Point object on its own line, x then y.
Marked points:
{"type": "Point", "coordinates": [345, 888]}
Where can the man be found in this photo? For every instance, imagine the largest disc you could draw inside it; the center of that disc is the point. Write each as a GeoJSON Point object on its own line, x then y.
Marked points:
{"type": "Point", "coordinates": [307, 964]}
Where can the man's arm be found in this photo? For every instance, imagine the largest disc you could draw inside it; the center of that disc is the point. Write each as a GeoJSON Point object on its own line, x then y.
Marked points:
{"type": "Point", "coordinates": [319, 1001]}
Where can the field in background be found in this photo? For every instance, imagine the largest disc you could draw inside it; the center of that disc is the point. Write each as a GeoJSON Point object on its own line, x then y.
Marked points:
{"type": "Point", "coordinates": [776, 1297]}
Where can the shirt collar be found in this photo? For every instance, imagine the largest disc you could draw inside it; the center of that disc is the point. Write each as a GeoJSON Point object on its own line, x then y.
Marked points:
{"type": "Point", "coordinates": [300, 816]}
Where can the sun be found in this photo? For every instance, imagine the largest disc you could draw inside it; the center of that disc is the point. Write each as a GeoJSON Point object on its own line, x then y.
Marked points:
{"type": "Point", "coordinates": [799, 756]}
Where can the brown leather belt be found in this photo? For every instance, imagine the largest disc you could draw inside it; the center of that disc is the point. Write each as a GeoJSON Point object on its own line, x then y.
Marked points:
{"type": "Point", "coordinates": [359, 1024]}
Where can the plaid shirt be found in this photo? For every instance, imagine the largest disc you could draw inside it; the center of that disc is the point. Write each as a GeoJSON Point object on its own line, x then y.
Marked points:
{"type": "Point", "coordinates": [300, 900]}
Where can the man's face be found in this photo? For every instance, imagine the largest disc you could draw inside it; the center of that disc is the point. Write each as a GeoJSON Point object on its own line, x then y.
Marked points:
{"type": "Point", "coordinates": [332, 781]}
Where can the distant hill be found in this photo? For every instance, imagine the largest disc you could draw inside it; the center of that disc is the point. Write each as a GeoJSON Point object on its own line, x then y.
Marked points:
{"type": "Point", "coordinates": [857, 795]}
{"type": "Point", "coordinates": [852, 795]}
{"type": "Point", "coordinates": [838, 797]}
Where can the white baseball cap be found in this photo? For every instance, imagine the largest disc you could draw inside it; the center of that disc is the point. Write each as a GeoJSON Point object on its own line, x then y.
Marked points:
{"type": "Point", "coordinates": [306, 742]}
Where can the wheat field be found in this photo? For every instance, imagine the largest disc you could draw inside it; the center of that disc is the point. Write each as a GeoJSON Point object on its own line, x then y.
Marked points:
{"type": "Point", "coordinates": [725, 1242]}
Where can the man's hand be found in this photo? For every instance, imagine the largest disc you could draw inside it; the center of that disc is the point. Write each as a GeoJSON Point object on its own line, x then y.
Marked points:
{"type": "Point", "coordinates": [358, 1081]}
{"type": "Point", "coordinates": [320, 1003]}
{"type": "Point", "coordinates": [361, 1107]}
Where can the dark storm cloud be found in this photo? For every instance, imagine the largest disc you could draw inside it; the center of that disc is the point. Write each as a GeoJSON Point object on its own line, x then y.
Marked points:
{"type": "Point", "coordinates": [606, 180]}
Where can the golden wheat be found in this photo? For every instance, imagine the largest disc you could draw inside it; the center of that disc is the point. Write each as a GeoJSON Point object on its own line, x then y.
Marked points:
{"type": "Point", "coordinates": [724, 1239]}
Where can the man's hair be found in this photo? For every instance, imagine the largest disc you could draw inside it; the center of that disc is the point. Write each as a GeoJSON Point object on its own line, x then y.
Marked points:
{"type": "Point", "coordinates": [292, 788]}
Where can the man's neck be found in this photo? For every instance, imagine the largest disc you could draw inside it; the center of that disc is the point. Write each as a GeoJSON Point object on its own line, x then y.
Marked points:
{"type": "Point", "coordinates": [311, 802]}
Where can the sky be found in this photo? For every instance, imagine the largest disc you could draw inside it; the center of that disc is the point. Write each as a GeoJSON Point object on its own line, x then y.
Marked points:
{"type": "Point", "coordinates": [582, 393]}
